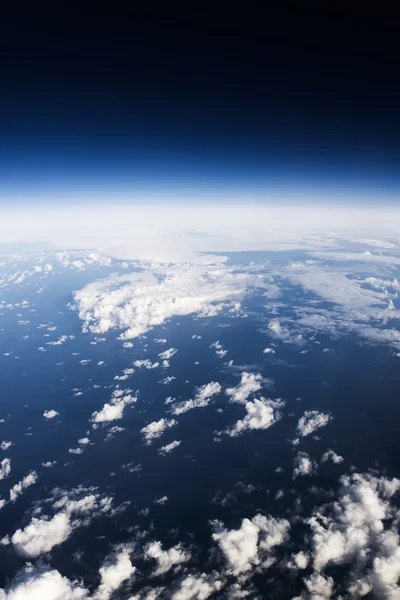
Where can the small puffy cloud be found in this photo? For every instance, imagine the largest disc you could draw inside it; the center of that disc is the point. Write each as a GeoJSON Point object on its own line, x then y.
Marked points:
{"type": "Point", "coordinates": [115, 409]}
{"type": "Point", "coordinates": [5, 445]}
{"type": "Point", "coordinates": [252, 544]}
{"type": "Point", "coordinates": [331, 455]}
{"type": "Point", "coordinates": [201, 398]}
{"type": "Point", "coordinates": [83, 441]}
{"type": "Point", "coordinates": [311, 421]}
{"type": "Point", "coordinates": [48, 464]}
{"type": "Point", "coordinates": [169, 447]}
{"type": "Point", "coordinates": [75, 450]}
{"type": "Point", "coordinates": [167, 354]}
{"type": "Point", "coordinates": [19, 487]}
{"type": "Point", "coordinates": [261, 414]}
{"type": "Point", "coordinates": [268, 351]}
{"type": "Point", "coordinates": [5, 468]}
{"type": "Point", "coordinates": [50, 414]}
{"type": "Point", "coordinates": [219, 349]}
{"type": "Point", "coordinates": [33, 583]}
{"type": "Point", "coordinates": [249, 383]}
{"type": "Point", "coordinates": [167, 380]}
{"type": "Point", "coordinates": [156, 429]}
{"type": "Point", "coordinates": [196, 337]}
{"type": "Point", "coordinates": [166, 559]}
{"type": "Point", "coordinates": [303, 465]}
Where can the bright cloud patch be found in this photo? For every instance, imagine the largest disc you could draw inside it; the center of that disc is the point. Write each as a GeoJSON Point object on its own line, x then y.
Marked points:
{"type": "Point", "coordinates": [166, 559]}
{"type": "Point", "coordinates": [202, 398]}
{"type": "Point", "coordinates": [156, 429]}
{"type": "Point", "coordinates": [261, 414]}
{"type": "Point", "coordinates": [115, 409]}
{"type": "Point", "coordinates": [139, 301]}
{"type": "Point", "coordinates": [311, 421]}
{"type": "Point", "coordinates": [50, 414]}
{"type": "Point", "coordinates": [249, 384]}
{"type": "Point", "coordinates": [251, 544]}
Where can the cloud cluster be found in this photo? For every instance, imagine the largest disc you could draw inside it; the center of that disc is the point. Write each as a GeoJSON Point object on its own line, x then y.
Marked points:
{"type": "Point", "coordinates": [304, 465]}
{"type": "Point", "coordinates": [42, 582]}
{"type": "Point", "coordinates": [19, 487]}
{"type": "Point", "coordinates": [71, 511]}
{"type": "Point", "coordinates": [169, 447]}
{"type": "Point", "coordinates": [139, 301]}
{"type": "Point", "coordinates": [358, 530]}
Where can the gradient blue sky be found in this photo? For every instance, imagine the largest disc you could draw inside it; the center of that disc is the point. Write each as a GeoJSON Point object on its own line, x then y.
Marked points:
{"type": "Point", "coordinates": [185, 101]}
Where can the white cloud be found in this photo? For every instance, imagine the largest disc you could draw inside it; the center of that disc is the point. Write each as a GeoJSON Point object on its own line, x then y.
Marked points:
{"type": "Point", "coordinates": [360, 529]}
{"type": "Point", "coordinates": [48, 464]}
{"type": "Point", "coordinates": [219, 349]}
{"type": "Point", "coordinates": [114, 410]}
{"type": "Point", "coordinates": [33, 583]}
{"type": "Point", "coordinates": [249, 384]}
{"type": "Point", "coordinates": [50, 414]}
{"type": "Point", "coordinates": [43, 533]}
{"type": "Point", "coordinates": [303, 465]}
{"type": "Point", "coordinates": [19, 487]}
{"type": "Point", "coordinates": [113, 573]}
{"type": "Point", "coordinates": [167, 380]}
{"type": "Point", "coordinates": [268, 351]}
{"type": "Point", "coordinates": [146, 363]}
{"type": "Point", "coordinates": [331, 455]}
{"type": "Point", "coordinates": [252, 544]}
{"type": "Point", "coordinates": [197, 587]}
{"type": "Point", "coordinates": [167, 354]}
{"type": "Point", "coordinates": [75, 450]}
{"type": "Point", "coordinates": [166, 559]}
{"type": "Point", "coordinates": [169, 447]}
{"type": "Point", "coordinates": [311, 421]}
{"type": "Point", "coordinates": [261, 414]}
{"type": "Point", "coordinates": [201, 398]}
{"type": "Point", "coordinates": [5, 445]}
{"type": "Point", "coordinates": [5, 468]}
{"type": "Point", "coordinates": [139, 301]}
{"type": "Point", "coordinates": [156, 429]}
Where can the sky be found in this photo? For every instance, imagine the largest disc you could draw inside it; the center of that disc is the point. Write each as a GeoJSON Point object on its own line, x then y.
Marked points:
{"type": "Point", "coordinates": [297, 100]}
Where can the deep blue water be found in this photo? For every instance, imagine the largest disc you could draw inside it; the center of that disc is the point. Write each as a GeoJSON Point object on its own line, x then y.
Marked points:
{"type": "Point", "coordinates": [358, 383]}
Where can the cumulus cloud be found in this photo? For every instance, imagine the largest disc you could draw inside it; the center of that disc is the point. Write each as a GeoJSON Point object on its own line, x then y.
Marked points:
{"type": "Point", "coordinates": [303, 465]}
{"type": "Point", "coordinates": [19, 487]}
{"type": "Point", "coordinates": [113, 410]}
{"type": "Point", "coordinates": [5, 468]}
{"type": "Point", "coordinates": [311, 421]}
{"type": "Point", "coordinates": [252, 544]}
{"type": "Point", "coordinates": [156, 429]}
{"type": "Point", "coordinates": [50, 414]}
{"type": "Point", "coordinates": [166, 559]}
{"type": "Point", "coordinates": [331, 455]}
{"type": "Point", "coordinates": [197, 587]}
{"type": "Point", "coordinates": [42, 582]}
{"type": "Point", "coordinates": [169, 447]}
{"type": "Point", "coordinates": [74, 510]}
{"type": "Point", "coordinates": [249, 383]}
{"type": "Point", "coordinates": [261, 414]}
{"type": "Point", "coordinates": [358, 529]}
{"type": "Point", "coordinates": [113, 573]}
{"type": "Point", "coordinates": [5, 445]}
{"type": "Point", "coordinates": [201, 398]}
{"type": "Point", "coordinates": [167, 354]}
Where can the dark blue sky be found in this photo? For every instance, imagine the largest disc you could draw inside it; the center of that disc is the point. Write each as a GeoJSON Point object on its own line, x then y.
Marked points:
{"type": "Point", "coordinates": [195, 98]}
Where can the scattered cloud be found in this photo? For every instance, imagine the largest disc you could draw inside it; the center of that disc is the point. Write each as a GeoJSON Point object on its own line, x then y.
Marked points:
{"type": "Point", "coordinates": [50, 414]}
{"type": "Point", "coordinates": [201, 398]}
{"type": "Point", "coordinates": [261, 414]}
{"type": "Point", "coordinates": [303, 465]}
{"type": "Point", "coordinates": [311, 421]}
{"type": "Point", "coordinates": [169, 447]}
{"type": "Point", "coordinates": [156, 429]}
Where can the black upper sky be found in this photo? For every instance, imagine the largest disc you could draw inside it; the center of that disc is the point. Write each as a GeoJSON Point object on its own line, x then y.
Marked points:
{"type": "Point", "coordinates": [312, 93]}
